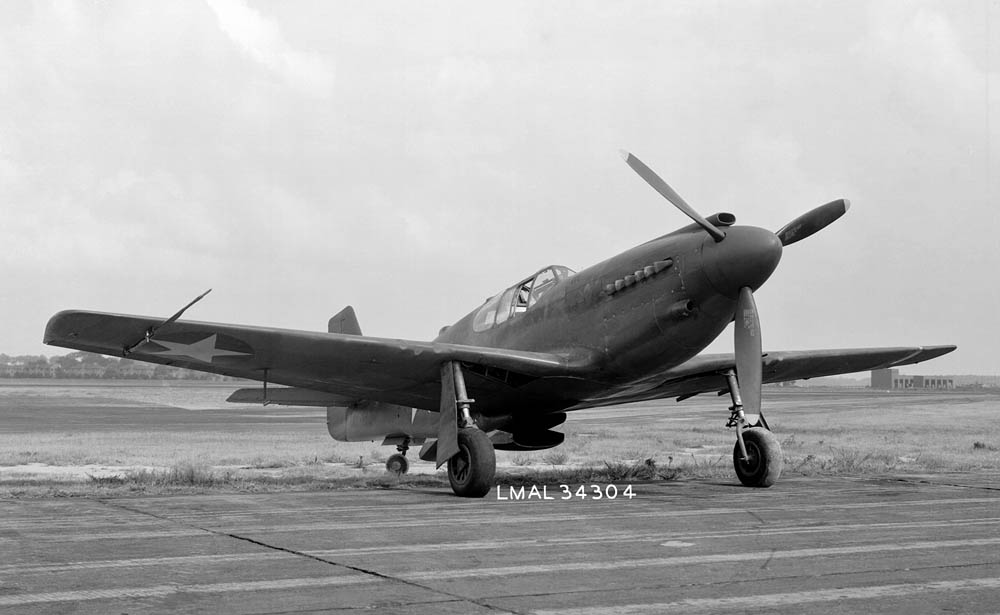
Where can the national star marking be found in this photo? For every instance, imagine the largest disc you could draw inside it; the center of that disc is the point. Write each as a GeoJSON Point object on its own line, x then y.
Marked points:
{"type": "Point", "coordinates": [203, 350]}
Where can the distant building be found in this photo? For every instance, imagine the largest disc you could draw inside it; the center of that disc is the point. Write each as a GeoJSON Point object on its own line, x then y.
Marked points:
{"type": "Point", "coordinates": [977, 381]}
{"type": "Point", "coordinates": [889, 379]}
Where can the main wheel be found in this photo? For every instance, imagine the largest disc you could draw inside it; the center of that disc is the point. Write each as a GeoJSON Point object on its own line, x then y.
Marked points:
{"type": "Point", "coordinates": [763, 465]}
{"type": "Point", "coordinates": [397, 464]}
{"type": "Point", "coordinates": [471, 470]}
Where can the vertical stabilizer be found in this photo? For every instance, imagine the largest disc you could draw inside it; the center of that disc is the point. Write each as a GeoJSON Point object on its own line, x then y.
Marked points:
{"type": "Point", "coordinates": [345, 322]}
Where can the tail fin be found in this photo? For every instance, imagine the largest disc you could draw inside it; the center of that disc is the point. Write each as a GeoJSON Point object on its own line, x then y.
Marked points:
{"type": "Point", "coordinates": [345, 322]}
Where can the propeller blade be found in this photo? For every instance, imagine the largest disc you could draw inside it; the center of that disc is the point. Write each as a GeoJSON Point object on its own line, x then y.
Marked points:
{"type": "Point", "coordinates": [150, 332]}
{"type": "Point", "coordinates": [668, 193]}
{"type": "Point", "coordinates": [748, 351]}
{"type": "Point", "coordinates": [812, 221]}
{"type": "Point", "coordinates": [181, 311]}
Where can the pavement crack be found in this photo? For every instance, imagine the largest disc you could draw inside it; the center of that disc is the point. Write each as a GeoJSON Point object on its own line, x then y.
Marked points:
{"type": "Point", "coordinates": [769, 559]}
{"type": "Point", "coordinates": [360, 569]}
{"type": "Point", "coordinates": [942, 484]}
{"type": "Point", "coordinates": [304, 554]}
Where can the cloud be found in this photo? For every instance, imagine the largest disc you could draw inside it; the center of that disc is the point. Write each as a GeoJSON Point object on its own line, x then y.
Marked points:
{"type": "Point", "coordinates": [9, 171]}
{"type": "Point", "coordinates": [924, 46]}
{"type": "Point", "coordinates": [463, 79]}
{"type": "Point", "coordinates": [261, 39]}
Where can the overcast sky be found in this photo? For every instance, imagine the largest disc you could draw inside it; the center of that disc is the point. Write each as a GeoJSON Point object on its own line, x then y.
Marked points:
{"type": "Point", "coordinates": [413, 158]}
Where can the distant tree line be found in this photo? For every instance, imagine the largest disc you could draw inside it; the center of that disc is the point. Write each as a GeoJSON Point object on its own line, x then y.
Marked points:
{"type": "Point", "coordinates": [94, 366]}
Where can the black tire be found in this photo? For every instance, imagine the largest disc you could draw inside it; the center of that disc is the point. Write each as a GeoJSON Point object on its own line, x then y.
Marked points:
{"type": "Point", "coordinates": [763, 466]}
{"type": "Point", "coordinates": [397, 464]}
{"type": "Point", "coordinates": [471, 470]}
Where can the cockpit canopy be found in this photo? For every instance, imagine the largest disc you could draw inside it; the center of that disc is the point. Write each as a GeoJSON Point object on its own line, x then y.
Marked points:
{"type": "Point", "coordinates": [519, 298]}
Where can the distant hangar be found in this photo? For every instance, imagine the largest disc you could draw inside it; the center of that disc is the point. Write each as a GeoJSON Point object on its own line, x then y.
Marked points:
{"type": "Point", "coordinates": [888, 379]}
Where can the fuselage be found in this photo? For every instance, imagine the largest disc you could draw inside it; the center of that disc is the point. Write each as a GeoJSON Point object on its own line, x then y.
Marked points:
{"type": "Point", "coordinates": [636, 314]}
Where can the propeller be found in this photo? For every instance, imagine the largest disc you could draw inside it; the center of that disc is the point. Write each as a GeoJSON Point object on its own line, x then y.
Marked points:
{"type": "Point", "coordinates": [748, 351]}
{"type": "Point", "coordinates": [812, 221]}
{"type": "Point", "coordinates": [796, 230]}
{"type": "Point", "coordinates": [746, 264]}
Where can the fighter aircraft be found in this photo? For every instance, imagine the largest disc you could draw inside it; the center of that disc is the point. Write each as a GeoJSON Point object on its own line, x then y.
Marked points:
{"type": "Point", "coordinates": [627, 329]}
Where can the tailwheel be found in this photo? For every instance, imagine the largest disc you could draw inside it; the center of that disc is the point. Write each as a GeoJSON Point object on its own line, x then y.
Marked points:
{"type": "Point", "coordinates": [763, 462]}
{"type": "Point", "coordinates": [471, 470]}
{"type": "Point", "coordinates": [397, 464]}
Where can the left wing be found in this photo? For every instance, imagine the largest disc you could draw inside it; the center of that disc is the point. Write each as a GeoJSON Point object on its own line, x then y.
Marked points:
{"type": "Point", "coordinates": [389, 370]}
{"type": "Point", "coordinates": [703, 373]}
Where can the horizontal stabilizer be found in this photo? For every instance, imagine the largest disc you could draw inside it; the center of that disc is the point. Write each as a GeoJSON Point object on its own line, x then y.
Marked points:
{"type": "Point", "coordinates": [288, 396]}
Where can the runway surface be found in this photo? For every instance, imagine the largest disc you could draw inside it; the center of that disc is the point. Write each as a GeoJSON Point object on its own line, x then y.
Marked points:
{"type": "Point", "coordinates": [892, 545]}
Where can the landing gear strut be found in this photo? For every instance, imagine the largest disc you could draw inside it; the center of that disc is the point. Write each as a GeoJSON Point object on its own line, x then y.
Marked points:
{"type": "Point", "coordinates": [472, 467]}
{"type": "Point", "coordinates": [757, 454]}
{"type": "Point", "coordinates": [397, 463]}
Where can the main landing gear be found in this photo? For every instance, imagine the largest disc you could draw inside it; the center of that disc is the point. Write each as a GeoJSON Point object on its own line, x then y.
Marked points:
{"type": "Point", "coordinates": [472, 462]}
{"type": "Point", "coordinates": [757, 454]}
{"type": "Point", "coordinates": [397, 462]}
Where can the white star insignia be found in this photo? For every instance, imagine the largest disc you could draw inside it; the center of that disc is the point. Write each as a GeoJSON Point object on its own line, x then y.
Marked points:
{"type": "Point", "coordinates": [204, 350]}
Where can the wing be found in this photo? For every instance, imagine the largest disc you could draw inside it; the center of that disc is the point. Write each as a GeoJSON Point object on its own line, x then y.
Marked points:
{"type": "Point", "coordinates": [389, 370]}
{"type": "Point", "coordinates": [702, 374]}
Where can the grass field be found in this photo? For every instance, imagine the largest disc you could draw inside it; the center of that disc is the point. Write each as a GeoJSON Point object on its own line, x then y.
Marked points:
{"type": "Point", "coordinates": [80, 437]}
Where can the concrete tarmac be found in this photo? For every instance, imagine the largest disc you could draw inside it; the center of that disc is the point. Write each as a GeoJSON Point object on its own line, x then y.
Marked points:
{"type": "Point", "coordinates": [833, 545]}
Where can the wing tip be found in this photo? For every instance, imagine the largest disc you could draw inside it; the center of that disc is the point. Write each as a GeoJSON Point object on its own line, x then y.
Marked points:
{"type": "Point", "coordinates": [923, 353]}
{"type": "Point", "coordinates": [55, 325]}
{"type": "Point", "coordinates": [931, 352]}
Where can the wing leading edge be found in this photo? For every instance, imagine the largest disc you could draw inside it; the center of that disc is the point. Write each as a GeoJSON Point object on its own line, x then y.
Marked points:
{"type": "Point", "coordinates": [390, 370]}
